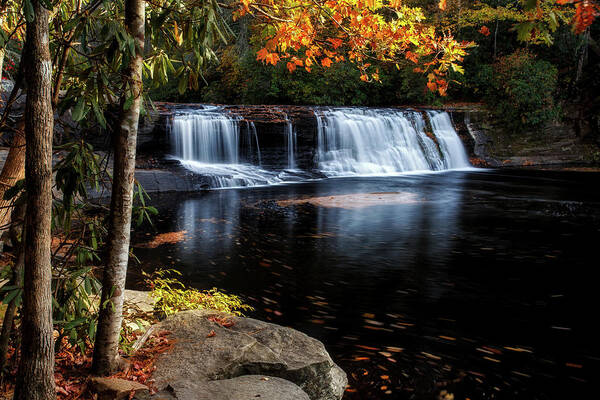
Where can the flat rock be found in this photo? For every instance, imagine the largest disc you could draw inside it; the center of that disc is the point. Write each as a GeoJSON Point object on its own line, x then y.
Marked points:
{"type": "Point", "coordinates": [118, 389]}
{"type": "Point", "coordinates": [247, 387]}
{"type": "Point", "coordinates": [205, 351]}
{"type": "Point", "coordinates": [140, 300]}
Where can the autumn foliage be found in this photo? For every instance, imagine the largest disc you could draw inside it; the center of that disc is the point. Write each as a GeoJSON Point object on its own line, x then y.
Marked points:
{"type": "Point", "coordinates": [309, 33]}
{"type": "Point", "coordinates": [585, 13]}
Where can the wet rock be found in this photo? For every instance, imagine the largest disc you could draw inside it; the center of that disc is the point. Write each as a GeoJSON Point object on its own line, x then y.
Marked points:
{"type": "Point", "coordinates": [243, 387]}
{"type": "Point", "coordinates": [118, 389]}
{"type": "Point", "coordinates": [207, 351]}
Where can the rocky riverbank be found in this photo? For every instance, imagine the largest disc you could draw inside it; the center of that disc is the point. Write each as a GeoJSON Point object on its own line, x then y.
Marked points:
{"type": "Point", "coordinates": [217, 356]}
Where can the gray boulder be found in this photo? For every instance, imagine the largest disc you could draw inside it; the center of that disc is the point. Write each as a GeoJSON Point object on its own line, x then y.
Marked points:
{"type": "Point", "coordinates": [247, 387]}
{"type": "Point", "coordinates": [205, 351]}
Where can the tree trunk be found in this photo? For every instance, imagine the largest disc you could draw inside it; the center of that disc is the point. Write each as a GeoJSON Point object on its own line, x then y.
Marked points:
{"type": "Point", "coordinates": [12, 172]}
{"type": "Point", "coordinates": [106, 355]}
{"type": "Point", "coordinates": [35, 379]}
{"type": "Point", "coordinates": [2, 52]}
{"type": "Point", "coordinates": [1, 64]}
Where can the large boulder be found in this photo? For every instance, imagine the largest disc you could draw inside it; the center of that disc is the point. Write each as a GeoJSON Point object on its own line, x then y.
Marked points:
{"type": "Point", "coordinates": [207, 349]}
{"type": "Point", "coordinates": [240, 388]}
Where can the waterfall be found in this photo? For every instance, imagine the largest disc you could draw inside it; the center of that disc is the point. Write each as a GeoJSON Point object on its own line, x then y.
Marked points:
{"type": "Point", "coordinates": [207, 141]}
{"type": "Point", "coordinates": [290, 135]}
{"type": "Point", "coordinates": [291, 143]}
{"type": "Point", "coordinates": [225, 149]}
{"type": "Point", "coordinates": [382, 141]}
{"type": "Point", "coordinates": [449, 142]}
{"type": "Point", "coordinates": [207, 136]}
{"type": "Point", "coordinates": [251, 142]}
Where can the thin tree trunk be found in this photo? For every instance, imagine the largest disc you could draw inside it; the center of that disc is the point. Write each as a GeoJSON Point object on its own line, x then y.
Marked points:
{"type": "Point", "coordinates": [35, 379]}
{"type": "Point", "coordinates": [16, 280]}
{"type": "Point", "coordinates": [106, 355]}
{"type": "Point", "coordinates": [2, 52]}
{"type": "Point", "coordinates": [1, 62]}
{"type": "Point", "coordinates": [496, 40]}
{"type": "Point", "coordinates": [12, 172]}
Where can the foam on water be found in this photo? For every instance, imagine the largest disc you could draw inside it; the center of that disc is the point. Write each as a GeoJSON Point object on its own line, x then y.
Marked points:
{"type": "Point", "coordinates": [350, 141]}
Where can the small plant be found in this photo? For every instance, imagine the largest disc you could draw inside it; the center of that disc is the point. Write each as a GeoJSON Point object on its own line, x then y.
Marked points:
{"type": "Point", "coordinates": [173, 296]}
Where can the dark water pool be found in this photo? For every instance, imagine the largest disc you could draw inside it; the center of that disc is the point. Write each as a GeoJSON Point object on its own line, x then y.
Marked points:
{"type": "Point", "coordinates": [485, 287]}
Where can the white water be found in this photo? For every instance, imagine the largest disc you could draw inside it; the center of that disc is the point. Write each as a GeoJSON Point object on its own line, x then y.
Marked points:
{"type": "Point", "coordinates": [207, 142]}
{"type": "Point", "coordinates": [350, 141]}
{"type": "Point", "coordinates": [355, 141]}
{"type": "Point", "coordinates": [451, 146]}
{"type": "Point", "coordinates": [291, 143]}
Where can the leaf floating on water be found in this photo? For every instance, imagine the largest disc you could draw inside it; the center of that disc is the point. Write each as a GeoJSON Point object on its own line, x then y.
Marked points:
{"type": "Point", "coordinates": [165, 238]}
{"type": "Point", "coordinates": [432, 356]}
{"type": "Point", "coordinates": [367, 347]}
{"type": "Point", "coordinates": [518, 349]}
{"type": "Point", "coordinates": [491, 359]}
{"type": "Point", "coordinates": [450, 338]}
{"type": "Point", "coordinates": [394, 349]}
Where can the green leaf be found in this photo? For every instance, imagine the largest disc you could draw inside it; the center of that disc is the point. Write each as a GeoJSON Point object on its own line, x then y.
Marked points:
{"type": "Point", "coordinates": [75, 323]}
{"type": "Point", "coordinates": [79, 111]}
{"type": "Point", "coordinates": [28, 11]}
{"type": "Point", "coordinates": [11, 295]}
{"type": "Point", "coordinates": [182, 86]}
{"type": "Point", "coordinates": [99, 115]}
{"type": "Point", "coordinates": [128, 102]}
{"type": "Point", "coordinates": [11, 192]}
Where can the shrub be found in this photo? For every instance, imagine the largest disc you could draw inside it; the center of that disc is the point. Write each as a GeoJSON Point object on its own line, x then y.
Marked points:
{"type": "Point", "coordinates": [521, 91]}
{"type": "Point", "coordinates": [173, 296]}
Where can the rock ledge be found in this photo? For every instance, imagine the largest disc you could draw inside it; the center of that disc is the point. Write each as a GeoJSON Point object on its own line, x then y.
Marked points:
{"type": "Point", "coordinates": [209, 358]}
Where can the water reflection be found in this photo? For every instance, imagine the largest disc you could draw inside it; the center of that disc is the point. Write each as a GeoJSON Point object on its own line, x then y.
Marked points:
{"type": "Point", "coordinates": [476, 289]}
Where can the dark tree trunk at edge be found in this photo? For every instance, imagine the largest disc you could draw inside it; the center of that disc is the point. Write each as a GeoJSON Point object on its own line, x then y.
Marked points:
{"type": "Point", "coordinates": [106, 356]}
{"type": "Point", "coordinates": [35, 379]}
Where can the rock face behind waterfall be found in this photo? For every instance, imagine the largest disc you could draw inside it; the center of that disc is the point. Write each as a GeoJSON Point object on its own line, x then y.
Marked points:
{"type": "Point", "coordinates": [235, 146]}
{"type": "Point", "coordinates": [246, 359]}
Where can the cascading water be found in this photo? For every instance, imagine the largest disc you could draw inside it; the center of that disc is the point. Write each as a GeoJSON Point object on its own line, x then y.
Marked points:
{"type": "Point", "coordinates": [291, 143]}
{"type": "Point", "coordinates": [206, 136]}
{"type": "Point", "coordinates": [206, 141]}
{"type": "Point", "coordinates": [449, 142]}
{"type": "Point", "coordinates": [350, 141]}
{"type": "Point", "coordinates": [383, 141]}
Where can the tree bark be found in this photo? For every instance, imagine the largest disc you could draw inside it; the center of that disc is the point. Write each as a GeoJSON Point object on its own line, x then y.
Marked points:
{"type": "Point", "coordinates": [12, 172]}
{"type": "Point", "coordinates": [35, 379]}
{"type": "Point", "coordinates": [1, 63]}
{"type": "Point", "coordinates": [106, 355]}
